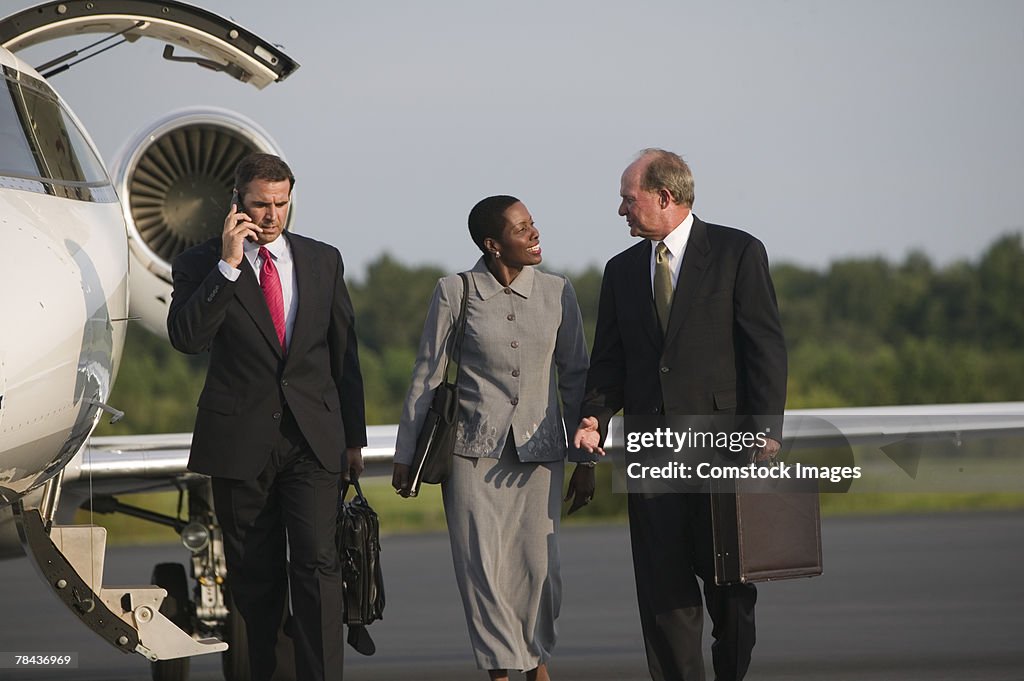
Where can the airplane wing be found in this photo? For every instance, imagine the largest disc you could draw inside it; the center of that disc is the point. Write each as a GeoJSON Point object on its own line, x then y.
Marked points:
{"type": "Point", "coordinates": [142, 463]}
{"type": "Point", "coordinates": [138, 463]}
{"type": "Point", "coordinates": [880, 426]}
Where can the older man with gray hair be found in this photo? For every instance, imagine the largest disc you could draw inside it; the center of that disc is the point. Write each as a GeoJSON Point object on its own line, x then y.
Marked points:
{"type": "Point", "coordinates": [687, 325]}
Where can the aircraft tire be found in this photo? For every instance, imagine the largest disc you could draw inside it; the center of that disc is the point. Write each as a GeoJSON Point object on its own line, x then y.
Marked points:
{"type": "Point", "coordinates": [171, 670]}
{"type": "Point", "coordinates": [235, 660]}
{"type": "Point", "coordinates": [176, 607]}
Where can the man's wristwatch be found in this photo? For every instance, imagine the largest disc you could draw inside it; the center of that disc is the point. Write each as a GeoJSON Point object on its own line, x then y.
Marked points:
{"type": "Point", "coordinates": [586, 464]}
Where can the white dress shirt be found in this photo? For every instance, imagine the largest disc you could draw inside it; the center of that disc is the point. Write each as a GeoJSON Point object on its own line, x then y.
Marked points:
{"type": "Point", "coordinates": [676, 243]}
{"type": "Point", "coordinates": [282, 254]}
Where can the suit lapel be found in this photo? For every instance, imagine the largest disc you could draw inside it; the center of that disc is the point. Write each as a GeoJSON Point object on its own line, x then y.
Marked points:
{"type": "Point", "coordinates": [250, 295]}
{"type": "Point", "coordinates": [695, 259]}
{"type": "Point", "coordinates": [640, 276]}
{"type": "Point", "coordinates": [307, 282]}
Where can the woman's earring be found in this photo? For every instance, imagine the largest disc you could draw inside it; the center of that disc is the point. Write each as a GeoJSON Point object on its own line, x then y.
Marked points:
{"type": "Point", "coordinates": [497, 255]}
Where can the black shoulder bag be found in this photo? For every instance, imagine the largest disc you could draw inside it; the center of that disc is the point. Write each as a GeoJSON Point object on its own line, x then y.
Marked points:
{"type": "Point", "coordinates": [435, 443]}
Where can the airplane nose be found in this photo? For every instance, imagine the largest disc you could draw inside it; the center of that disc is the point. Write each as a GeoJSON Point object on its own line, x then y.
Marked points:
{"type": "Point", "coordinates": [40, 359]}
{"type": "Point", "coordinates": [69, 267]}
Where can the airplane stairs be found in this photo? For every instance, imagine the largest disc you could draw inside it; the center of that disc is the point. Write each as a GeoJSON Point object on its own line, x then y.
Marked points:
{"type": "Point", "coordinates": [70, 559]}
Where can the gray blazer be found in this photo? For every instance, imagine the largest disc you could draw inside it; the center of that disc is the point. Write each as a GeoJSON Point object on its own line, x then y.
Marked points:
{"type": "Point", "coordinates": [524, 347]}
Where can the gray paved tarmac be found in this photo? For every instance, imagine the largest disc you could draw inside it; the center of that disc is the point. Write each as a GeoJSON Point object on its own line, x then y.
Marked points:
{"type": "Point", "coordinates": [938, 597]}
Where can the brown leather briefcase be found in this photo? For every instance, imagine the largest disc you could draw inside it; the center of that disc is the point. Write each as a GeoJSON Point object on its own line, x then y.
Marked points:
{"type": "Point", "coordinates": [765, 530]}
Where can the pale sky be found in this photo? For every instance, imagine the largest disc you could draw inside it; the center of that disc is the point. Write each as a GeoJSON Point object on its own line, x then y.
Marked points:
{"type": "Point", "coordinates": [828, 129]}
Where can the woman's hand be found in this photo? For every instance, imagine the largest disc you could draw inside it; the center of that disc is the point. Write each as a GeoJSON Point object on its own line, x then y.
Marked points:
{"type": "Point", "coordinates": [581, 488]}
{"type": "Point", "coordinates": [400, 479]}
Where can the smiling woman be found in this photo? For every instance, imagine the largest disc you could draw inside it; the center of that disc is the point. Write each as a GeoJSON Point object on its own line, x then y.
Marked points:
{"type": "Point", "coordinates": [513, 247]}
{"type": "Point", "coordinates": [523, 352]}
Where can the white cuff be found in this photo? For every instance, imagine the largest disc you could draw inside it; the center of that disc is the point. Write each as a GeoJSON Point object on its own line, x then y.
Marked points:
{"type": "Point", "coordinates": [230, 273]}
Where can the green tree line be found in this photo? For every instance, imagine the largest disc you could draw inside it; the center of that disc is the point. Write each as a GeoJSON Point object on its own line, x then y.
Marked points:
{"type": "Point", "coordinates": [860, 332]}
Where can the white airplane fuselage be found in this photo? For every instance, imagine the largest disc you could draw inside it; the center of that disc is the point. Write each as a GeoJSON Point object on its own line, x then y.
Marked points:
{"type": "Point", "coordinates": [64, 306]}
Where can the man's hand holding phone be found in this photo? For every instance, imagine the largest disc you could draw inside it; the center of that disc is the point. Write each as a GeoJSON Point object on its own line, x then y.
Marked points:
{"type": "Point", "coordinates": [237, 228]}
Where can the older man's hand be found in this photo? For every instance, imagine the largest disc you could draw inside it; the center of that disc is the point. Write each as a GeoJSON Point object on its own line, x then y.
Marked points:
{"type": "Point", "coordinates": [588, 437]}
{"type": "Point", "coordinates": [768, 452]}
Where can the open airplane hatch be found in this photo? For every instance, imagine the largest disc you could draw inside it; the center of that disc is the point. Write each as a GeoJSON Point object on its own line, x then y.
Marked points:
{"type": "Point", "coordinates": [222, 44]}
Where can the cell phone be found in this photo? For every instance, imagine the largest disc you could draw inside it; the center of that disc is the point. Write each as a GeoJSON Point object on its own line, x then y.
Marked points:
{"type": "Point", "coordinates": [238, 209]}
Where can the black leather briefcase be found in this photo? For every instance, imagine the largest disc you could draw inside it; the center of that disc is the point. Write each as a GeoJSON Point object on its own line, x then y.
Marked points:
{"type": "Point", "coordinates": [358, 539]}
{"type": "Point", "coordinates": [765, 530]}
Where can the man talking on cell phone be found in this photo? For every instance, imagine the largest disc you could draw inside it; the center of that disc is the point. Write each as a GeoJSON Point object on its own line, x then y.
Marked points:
{"type": "Point", "coordinates": [281, 417]}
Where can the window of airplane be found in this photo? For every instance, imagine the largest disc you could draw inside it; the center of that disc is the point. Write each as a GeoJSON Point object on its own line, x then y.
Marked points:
{"type": "Point", "coordinates": [16, 156]}
{"type": "Point", "coordinates": [41, 145]}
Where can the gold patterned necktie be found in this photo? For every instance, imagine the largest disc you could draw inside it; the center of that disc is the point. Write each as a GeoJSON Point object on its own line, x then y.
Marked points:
{"type": "Point", "coordinates": [662, 285]}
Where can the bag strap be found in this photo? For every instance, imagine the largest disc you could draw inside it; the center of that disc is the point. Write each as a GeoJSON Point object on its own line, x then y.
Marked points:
{"type": "Point", "coordinates": [344, 491]}
{"type": "Point", "coordinates": [456, 354]}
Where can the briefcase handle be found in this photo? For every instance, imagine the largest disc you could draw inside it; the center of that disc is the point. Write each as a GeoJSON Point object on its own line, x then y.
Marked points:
{"type": "Point", "coordinates": [344, 492]}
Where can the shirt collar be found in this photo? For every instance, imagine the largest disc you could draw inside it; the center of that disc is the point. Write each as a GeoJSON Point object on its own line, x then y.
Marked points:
{"type": "Point", "coordinates": [278, 248]}
{"type": "Point", "coordinates": [677, 238]}
{"type": "Point", "coordinates": [487, 286]}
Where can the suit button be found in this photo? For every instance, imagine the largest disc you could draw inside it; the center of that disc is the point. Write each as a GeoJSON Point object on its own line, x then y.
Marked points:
{"type": "Point", "coordinates": [515, 373]}
{"type": "Point", "coordinates": [515, 344]}
{"type": "Point", "coordinates": [277, 415]}
{"type": "Point", "coordinates": [511, 317]}
{"type": "Point", "coordinates": [284, 382]}
{"type": "Point", "coordinates": [515, 401]}
{"type": "Point", "coordinates": [665, 370]}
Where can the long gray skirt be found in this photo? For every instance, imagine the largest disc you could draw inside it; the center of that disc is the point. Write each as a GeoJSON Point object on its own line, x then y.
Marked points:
{"type": "Point", "coordinates": [503, 518]}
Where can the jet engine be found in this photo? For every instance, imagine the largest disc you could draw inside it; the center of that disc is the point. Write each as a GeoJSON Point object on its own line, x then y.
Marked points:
{"type": "Point", "coordinates": [174, 179]}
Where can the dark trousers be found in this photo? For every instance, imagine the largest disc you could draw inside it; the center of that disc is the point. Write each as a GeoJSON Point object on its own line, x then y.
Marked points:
{"type": "Point", "coordinates": [672, 546]}
{"type": "Point", "coordinates": [294, 501]}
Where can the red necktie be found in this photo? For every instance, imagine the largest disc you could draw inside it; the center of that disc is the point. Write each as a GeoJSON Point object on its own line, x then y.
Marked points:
{"type": "Point", "coordinates": [270, 282]}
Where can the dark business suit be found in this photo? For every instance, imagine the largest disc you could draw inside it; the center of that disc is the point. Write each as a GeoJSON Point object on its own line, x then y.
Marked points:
{"type": "Point", "coordinates": [271, 430]}
{"type": "Point", "coordinates": [723, 353]}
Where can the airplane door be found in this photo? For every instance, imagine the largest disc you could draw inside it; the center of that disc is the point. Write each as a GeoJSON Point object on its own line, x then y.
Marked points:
{"type": "Point", "coordinates": [221, 44]}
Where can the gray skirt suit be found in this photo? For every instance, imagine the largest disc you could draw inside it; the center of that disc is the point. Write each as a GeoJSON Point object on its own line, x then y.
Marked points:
{"type": "Point", "coordinates": [523, 350]}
